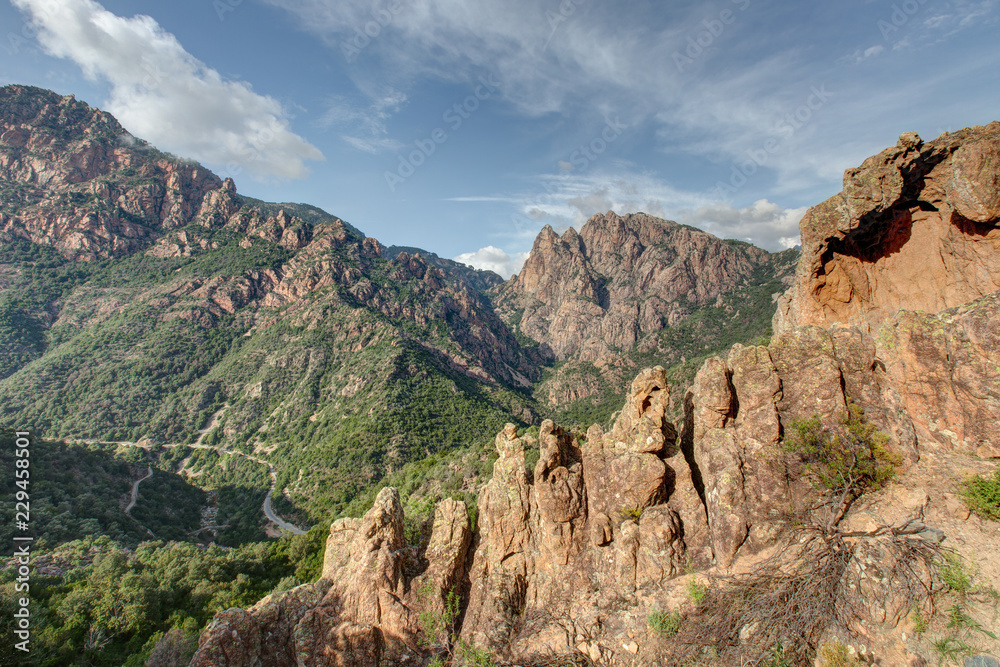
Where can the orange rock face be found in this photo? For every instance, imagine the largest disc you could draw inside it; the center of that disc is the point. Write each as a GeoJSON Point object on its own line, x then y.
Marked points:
{"type": "Point", "coordinates": [908, 256]}
{"type": "Point", "coordinates": [917, 227]}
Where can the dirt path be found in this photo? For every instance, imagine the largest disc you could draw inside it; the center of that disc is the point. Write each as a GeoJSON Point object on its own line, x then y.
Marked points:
{"type": "Point", "coordinates": [135, 490]}
{"type": "Point", "coordinates": [202, 432]}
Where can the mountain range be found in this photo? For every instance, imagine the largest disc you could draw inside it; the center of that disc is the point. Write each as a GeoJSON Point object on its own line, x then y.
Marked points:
{"type": "Point", "coordinates": [142, 295]}
{"type": "Point", "coordinates": [650, 446]}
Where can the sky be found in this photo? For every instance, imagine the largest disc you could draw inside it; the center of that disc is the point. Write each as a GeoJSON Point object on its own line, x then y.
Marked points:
{"type": "Point", "coordinates": [465, 127]}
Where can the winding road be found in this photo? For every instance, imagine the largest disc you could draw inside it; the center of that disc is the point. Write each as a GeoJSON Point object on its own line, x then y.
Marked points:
{"type": "Point", "coordinates": [266, 507]}
{"type": "Point", "coordinates": [135, 490]}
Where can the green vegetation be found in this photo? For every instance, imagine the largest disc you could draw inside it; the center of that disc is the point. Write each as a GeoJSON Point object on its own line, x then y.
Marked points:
{"type": "Point", "coordinates": [955, 573]}
{"type": "Point", "coordinates": [79, 490]}
{"type": "Point", "coordinates": [631, 514]}
{"type": "Point", "coordinates": [837, 654]}
{"type": "Point", "coordinates": [850, 458]}
{"type": "Point", "coordinates": [982, 495]}
{"type": "Point", "coordinates": [919, 621]}
{"type": "Point", "coordinates": [437, 626]}
{"type": "Point", "coordinates": [111, 605]}
{"type": "Point", "coordinates": [776, 657]}
{"type": "Point", "coordinates": [665, 624]}
{"type": "Point", "coordinates": [697, 590]}
{"type": "Point", "coordinates": [952, 649]}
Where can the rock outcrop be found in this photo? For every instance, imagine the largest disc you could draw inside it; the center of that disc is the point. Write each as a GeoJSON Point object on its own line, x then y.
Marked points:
{"type": "Point", "coordinates": [557, 550]}
{"type": "Point", "coordinates": [592, 293]}
{"type": "Point", "coordinates": [366, 609]}
{"type": "Point", "coordinates": [944, 366]}
{"type": "Point", "coordinates": [906, 260]}
{"type": "Point", "coordinates": [595, 524]}
{"type": "Point", "coordinates": [917, 227]}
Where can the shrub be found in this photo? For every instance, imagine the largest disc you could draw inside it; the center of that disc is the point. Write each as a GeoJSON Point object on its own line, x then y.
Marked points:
{"type": "Point", "coordinates": [777, 657]}
{"type": "Point", "coordinates": [919, 621]}
{"type": "Point", "coordinates": [982, 495]}
{"type": "Point", "coordinates": [665, 624]}
{"type": "Point", "coordinates": [697, 590]}
{"type": "Point", "coordinates": [848, 459]}
{"type": "Point", "coordinates": [953, 572]}
{"type": "Point", "coordinates": [836, 654]}
{"type": "Point", "coordinates": [437, 625]}
{"type": "Point", "coordinates": [631, 513]}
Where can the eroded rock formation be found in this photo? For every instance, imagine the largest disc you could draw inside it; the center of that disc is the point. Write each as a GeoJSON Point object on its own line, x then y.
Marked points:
{"type": "Point", "coordinates": [908, 257]}
{"type": "Point", "coordinates": [917, 227]}
{"type": "Point", "coordinates": [365, 609]}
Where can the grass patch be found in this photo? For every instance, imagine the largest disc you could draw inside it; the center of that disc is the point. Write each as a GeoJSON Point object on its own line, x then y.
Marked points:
{"type": "Point", "coordinates": [664, 623]}
{"type": "Point", "coordinates": [982, 495]}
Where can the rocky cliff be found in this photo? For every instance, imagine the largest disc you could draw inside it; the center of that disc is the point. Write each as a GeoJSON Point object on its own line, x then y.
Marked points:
{"type": "Point", "coordinates": [74, 178]}
{"type": "Point", "coordinates": [720, 525]}
{"type": "Point", "coordinates": [600, 291]}
{"type": "Point", "coordinates": [915, 228]}
{"type": "Point", "coordinates": [908, 257]}
{"type": "Point", "coordinates": [628, 291]}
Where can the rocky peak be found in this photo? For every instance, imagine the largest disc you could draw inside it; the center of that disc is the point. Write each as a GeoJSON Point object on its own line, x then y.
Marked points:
{"type": "Point", "coordinates": [366, 608]}
{"type": "Point", "coordinates": [907, 258]}
{"type": "Point", "coordinates": [917, 227]}
{"type": "Point", "coordinates": [27, 107]}
{"type": "Point", "coordinates": [620, 278]}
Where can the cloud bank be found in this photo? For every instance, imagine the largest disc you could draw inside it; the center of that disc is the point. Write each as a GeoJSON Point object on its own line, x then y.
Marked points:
{"type": "Point", "coordinates": [165, 95]}
{"type": "Point", "coordinates": [494, 259]}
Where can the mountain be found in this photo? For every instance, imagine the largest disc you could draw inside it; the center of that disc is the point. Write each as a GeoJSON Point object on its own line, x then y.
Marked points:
{"type": "Point", "coordinates": [236, 351]}
{"type": "Point", "coordinates": [796, 517]}
{"type": "Point", "coordinates": [477, 279]}
{"type": "Point", "coordinates": [143, 298]}
{"type": "Point", "coordinates": [141, 295]}
{"type": "Point", "coordinates": [626, 292]}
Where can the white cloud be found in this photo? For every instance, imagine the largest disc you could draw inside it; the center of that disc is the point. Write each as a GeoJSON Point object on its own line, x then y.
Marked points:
{"type": "Point", "coordinates": [368, 125]}
{"type": "Point", "coordinates": [163, 94]}
{"type": "Point", "coordinates": [494, 259]}
{"type": "Point", "coordinates": [598, 60]}
{"type": "Point", "coordinates": [763, 223]}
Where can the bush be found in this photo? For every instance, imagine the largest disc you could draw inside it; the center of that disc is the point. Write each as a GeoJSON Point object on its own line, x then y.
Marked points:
{"type": "Point", "coordinates": [836, 654]}
{"type": "Point", "coordinates": [848, 459]}
{"type": "Point", "coordinates": [665, 624]}
{"type": "Point", "coordinates": [954, 573]}
{"type": "Point", "coordinates": [697, 591]}
{"type": "Point", "coordinates": [982, 495]}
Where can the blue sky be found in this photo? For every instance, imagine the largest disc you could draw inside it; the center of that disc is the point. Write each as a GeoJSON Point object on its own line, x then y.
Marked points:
{"type": "Point", "coordinates": [464, 127]}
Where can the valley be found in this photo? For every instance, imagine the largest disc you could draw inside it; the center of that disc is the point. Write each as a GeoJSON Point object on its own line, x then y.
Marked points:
{"type": "Point", "coordinates": [263, 434]}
